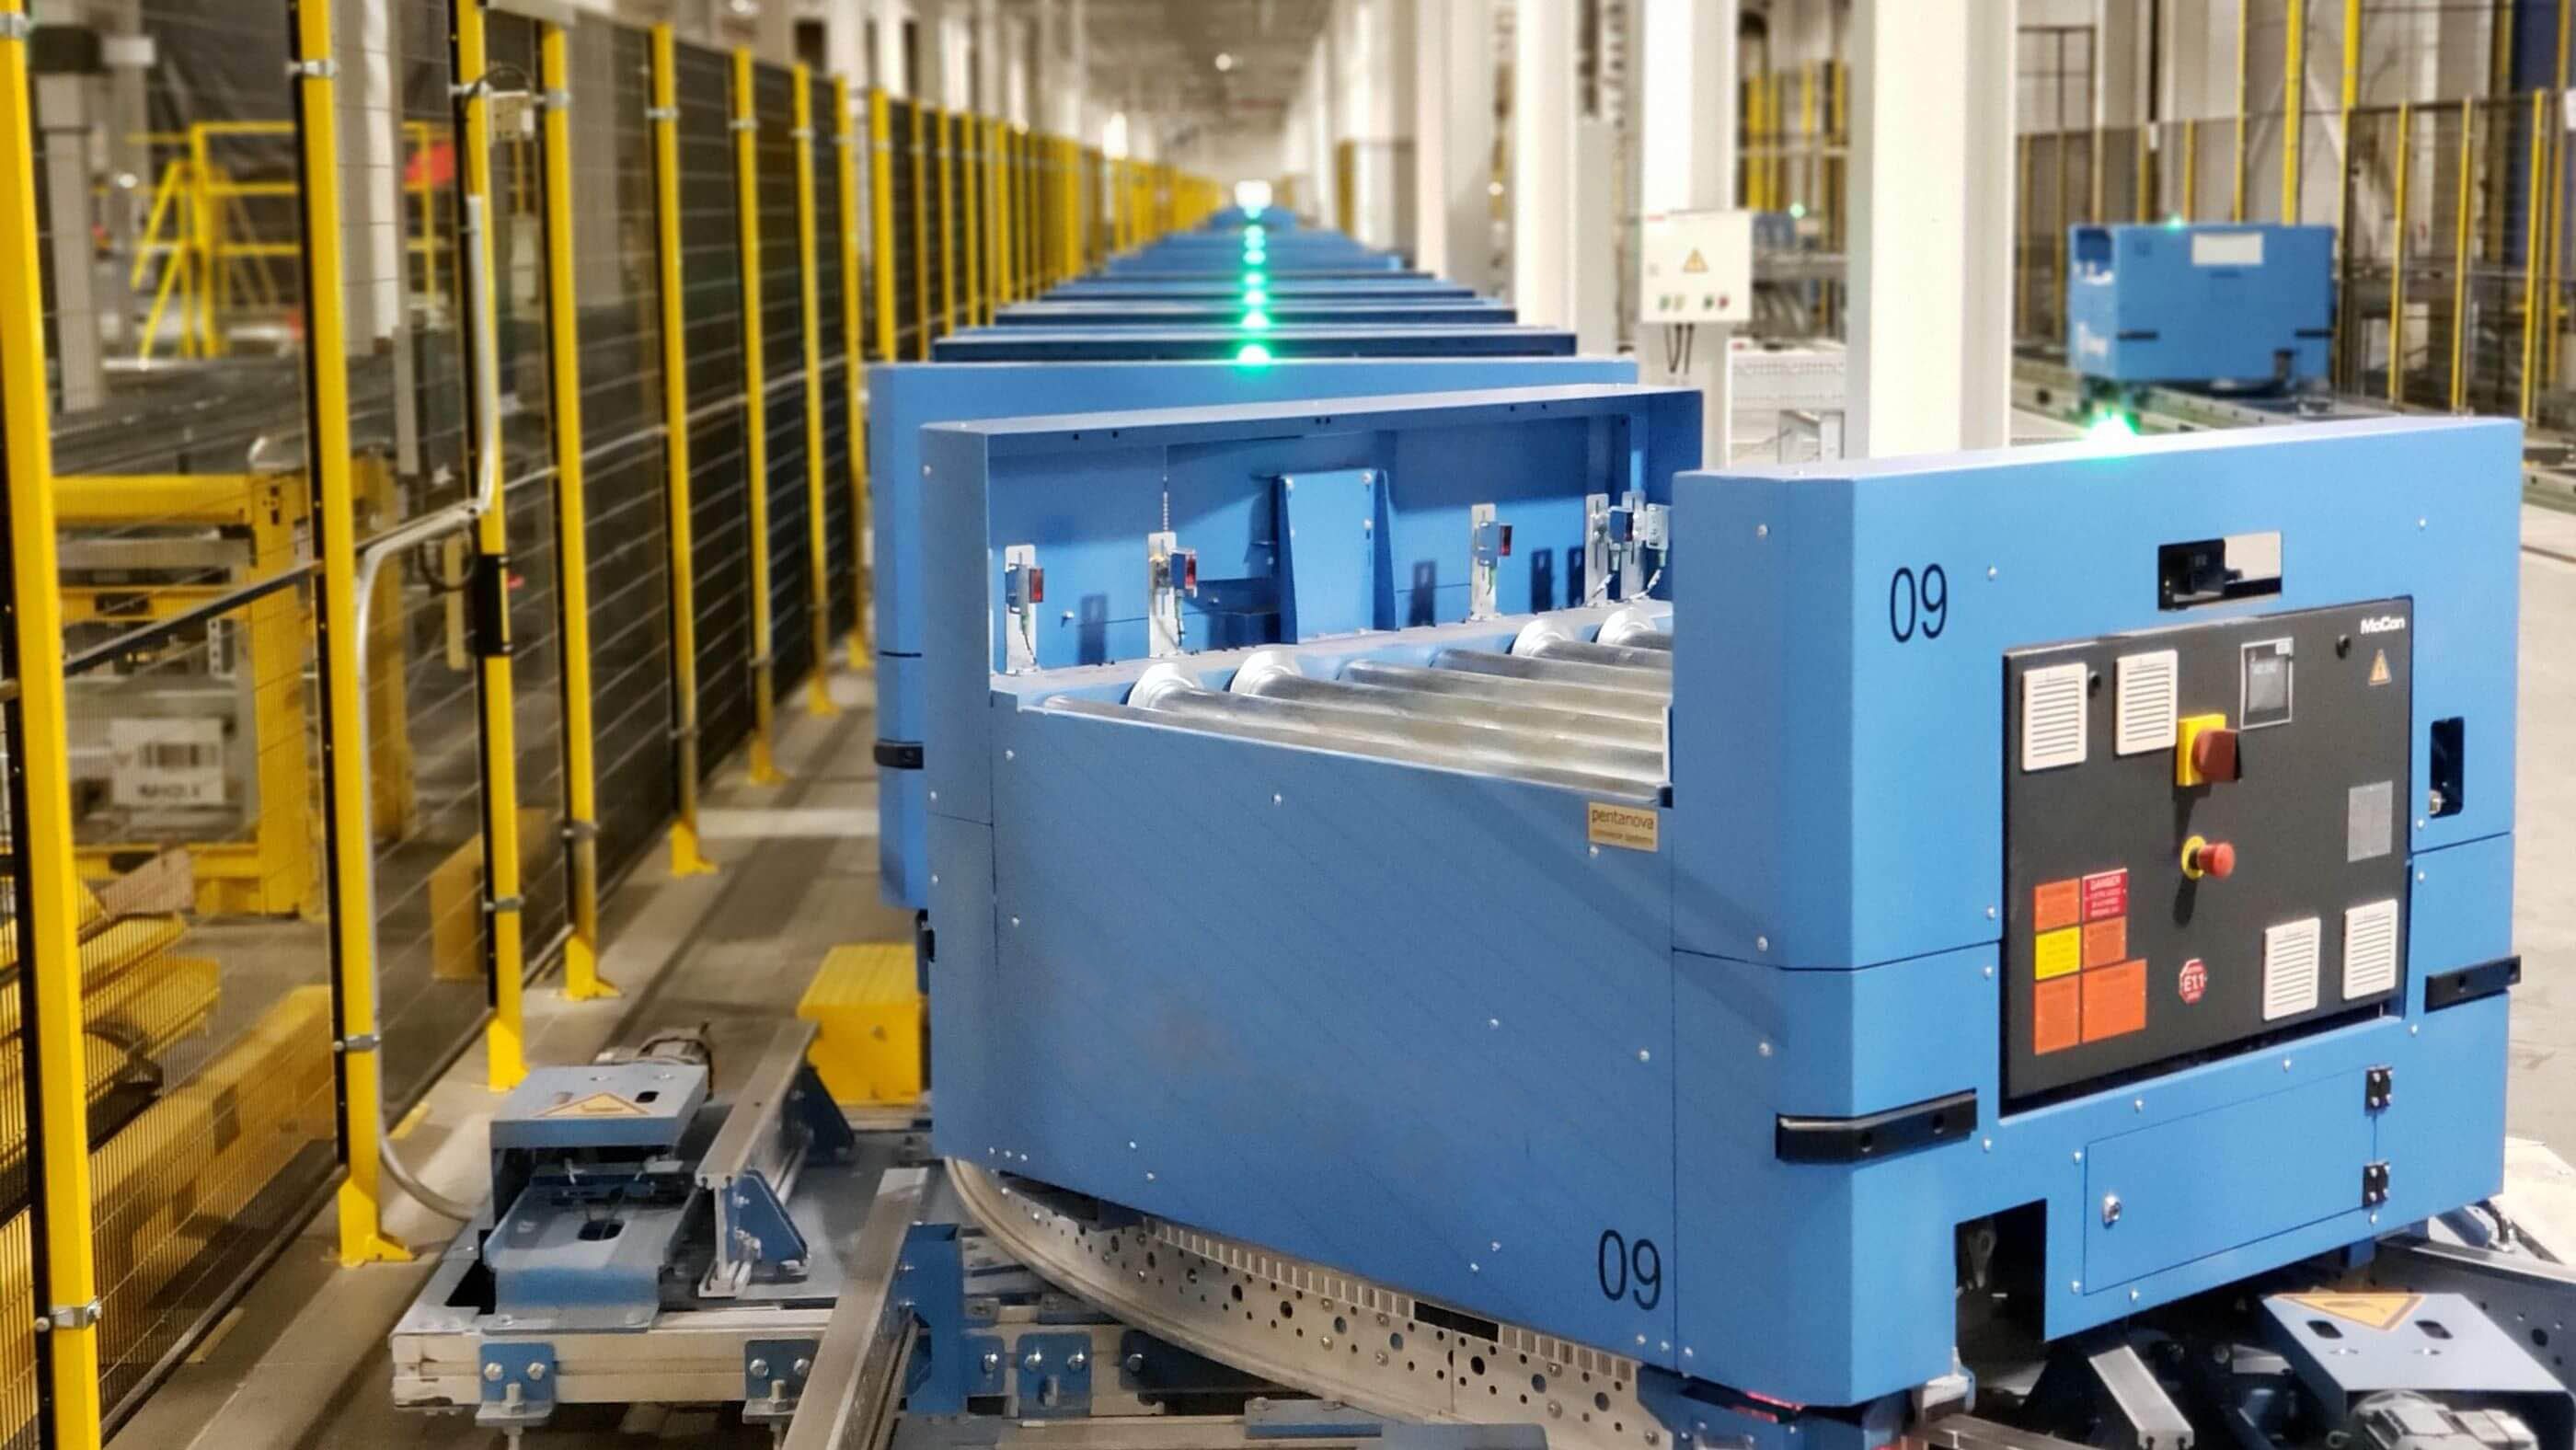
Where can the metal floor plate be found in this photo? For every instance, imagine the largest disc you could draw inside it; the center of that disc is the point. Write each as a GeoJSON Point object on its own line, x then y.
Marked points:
{"type": "Point", "coordinates": [1320, 1330]}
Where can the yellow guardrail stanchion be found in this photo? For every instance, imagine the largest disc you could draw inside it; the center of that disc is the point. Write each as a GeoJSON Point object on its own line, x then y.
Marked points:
{"type": "Point", "coordinates": [686, 857]}
{"type": "Point", "coordinates": [505, 1037]}
{"type": "Point", "coordinates": [881, 217]}
{"type": "Point", "coordinates": [755, 421]}
{"type": "Point", "coordinates": [2532, 232]}
{"type": "Point", "coordinates": [582, 980]}
{"type": "Point", "coordinates": [970, 183]}
{"type": "Point", "coordinates": [818, 689]}
{"type": "Point", "coordinates": [52, 1038]}
{"type": "Point", "coordinates": [853, 373]}
{"type": "Point", "coordinates": [344, 723]}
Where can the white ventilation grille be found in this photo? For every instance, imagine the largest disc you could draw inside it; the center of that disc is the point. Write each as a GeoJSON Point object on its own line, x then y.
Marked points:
{"type": "Point", "coordinates": [2289, 969]}
{"type": "Point", "coordinates": [2148, 691]}
{"type": "Point", "coordinates": [2370, 949]}
{"type": "Point", "coordinates": [2052, 716]}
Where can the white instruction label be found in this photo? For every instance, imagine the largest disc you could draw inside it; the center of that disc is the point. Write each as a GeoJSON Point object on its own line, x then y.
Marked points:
{"type": "Point", "coordinates": [166, 762]}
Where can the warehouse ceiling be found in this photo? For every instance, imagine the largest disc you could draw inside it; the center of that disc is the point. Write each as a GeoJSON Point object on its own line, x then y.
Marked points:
{"type": "Point", "coordinates": [1163, 53]}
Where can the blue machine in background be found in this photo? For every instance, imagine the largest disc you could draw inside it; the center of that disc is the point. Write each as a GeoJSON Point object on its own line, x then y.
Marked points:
{"type": "Point", "coordinates": [1786, 1041]}
{"type": "Point", "coordinates": [2211, 305]}
{"type": "Point", "coordinates": [904, 398]}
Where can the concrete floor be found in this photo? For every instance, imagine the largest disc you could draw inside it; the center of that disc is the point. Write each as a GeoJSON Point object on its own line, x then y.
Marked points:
{"type": "Point", "coordinates": [301, 1363]}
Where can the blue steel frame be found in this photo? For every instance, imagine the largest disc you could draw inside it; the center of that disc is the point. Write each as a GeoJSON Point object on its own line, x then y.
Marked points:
{"type": "Point", "coordinates": [1289, 312]}
{"type": "Point", "coordinates": [1410, 1022]}
{"type": "Point", "coordinates": [2149, 304]}
{"type": "Point", "coordinates": [903, 398]}
{"type": "Point", "coordinates": [1212, 344]}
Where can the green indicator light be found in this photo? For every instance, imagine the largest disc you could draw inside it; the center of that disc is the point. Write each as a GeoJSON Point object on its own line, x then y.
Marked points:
{"type": "Point", "coordinates": [1797, 210]}
{"type": "Point", "coordinates": [1252, 354]}
{"type": "Point", "coordinates": [2112, 429]}
{"type": "Point", "coordinates": [2174, 222]}
{"type": "Point", "coordinates": [1256, 321]}
{"type": "Point", "coordinates": [1252, 279]}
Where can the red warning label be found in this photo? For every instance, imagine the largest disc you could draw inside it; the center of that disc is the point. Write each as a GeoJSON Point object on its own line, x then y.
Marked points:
{"type": "Point", "coordinates": [2194, 980]}
{"type": "Point", "coordinates": [2106, 894]}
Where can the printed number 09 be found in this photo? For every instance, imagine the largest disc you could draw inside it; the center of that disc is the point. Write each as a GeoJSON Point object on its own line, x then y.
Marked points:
{"type": "Point", "coordinates": [1629, 1271]}
{"type": "Point", "coordinates": [1918, 605]}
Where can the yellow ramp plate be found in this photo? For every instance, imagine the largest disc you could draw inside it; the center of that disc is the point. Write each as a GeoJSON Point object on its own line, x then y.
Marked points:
{"type": "Point", "coordinates": [867, 1010]}
{"type": "Point", "coordinates": [2374, 1311]}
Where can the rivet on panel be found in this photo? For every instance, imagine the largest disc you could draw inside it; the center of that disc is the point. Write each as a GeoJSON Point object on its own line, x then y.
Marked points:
{"type": "Point", "coordinates": [1762, 943]}
{"type": "Point", "coordinates": [1763, 1048]}
{"type": "Point", "coordinates": [1644, 1056]}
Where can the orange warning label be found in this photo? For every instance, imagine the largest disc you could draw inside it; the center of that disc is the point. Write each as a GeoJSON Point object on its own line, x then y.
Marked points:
{"type": "Point", "coordinates": [1695, 262]}
{"type": "Point", "coordinates": [2379, 668]}
{"type": "Point", "coordinates": [2115, 1001]}
{"type": "Point", "coordinates": [2056, 903]}
{"type": "Point", "coordinates": [597, 1105]}
{"type": "Point", "coordinates": [2054, 1016]}
{"type": "Point", "coordinates": [2106, 942]}
{"type": "Point", "coordinates": [2372, 1311]}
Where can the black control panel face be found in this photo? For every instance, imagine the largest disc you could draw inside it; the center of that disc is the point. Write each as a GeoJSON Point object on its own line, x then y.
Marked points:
{"type": "Point", "coordinates": [2205, 833]}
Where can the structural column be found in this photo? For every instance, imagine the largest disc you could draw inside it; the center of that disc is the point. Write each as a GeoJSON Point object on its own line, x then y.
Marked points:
{"type": "Point", "coordinates": [1453, 145]}
{"type": "Point", "coordinates": [1542, 183]}
{"type": "Point", "coordinates": [1687, 59]}
{"type": "Point", "coordinates": [1932, 218]}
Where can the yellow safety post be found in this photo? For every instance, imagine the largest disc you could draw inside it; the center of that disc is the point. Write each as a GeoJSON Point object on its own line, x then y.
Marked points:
{"type": "Point", "coordinates": [2460, 257]}
{"type": "Point", "coordinates": [755, 420]}
{"type": "Point", "coordinates": [945, 154]}
{"type": "Point", "coordinates": [2397, 266]}
{"type": "Point", "coordinates": [2021, 243]}
{"type": "Point", "coordinates": [1006, 208]}
{"type": "Point", "coordinates": [2531, 239]}
{"type": "Point", "coordinates": [505, 1037]}
{"type": "Point", "coordinates": [686, 857]}
{"type": "Point", "coordinates": [853, 374]}
{"type": "Point", "coordinates": [972, 204]}
{"type": "Point", "coordinates": [2093, 178]}
{"type": "Point", "coordinates": [572, 523]}
{"type": "Point", "coordinates": [2191, 169]}
{"type": "Point", "coordinates": [920, 241]}
{"type": "Point", "coordinates": [335, 544]}
{"type": "Point", "coordinates": [2236, 204]}
{"type": "Point", "coordinates": [52, 1038]}
{"type": "Point", "coordinates": [881, 216]}
{"type": "Point", "coordinates": [818, 690]}
{"type": "Point", "coordinates": [2144, 177]}
{"type": "Point", "coordinates": [1028, 194]}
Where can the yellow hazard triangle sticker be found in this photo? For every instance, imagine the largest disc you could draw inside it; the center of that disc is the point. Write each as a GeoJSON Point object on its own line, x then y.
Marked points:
{"type": "Point", "coordinates": [597, 1105]}
{"type": "Point", "coordinates": [2374, 1311]}
{"type": "Point", "coordinates": [2379, 668]}
{"type": "Point", "coordinates": [1695, 262]}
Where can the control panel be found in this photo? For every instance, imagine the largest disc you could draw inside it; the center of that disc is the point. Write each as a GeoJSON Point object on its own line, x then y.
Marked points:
{"type": "Point", "coordinates": [1695, 266]}
{"type": "Point", "coordinates": [2204, 840]}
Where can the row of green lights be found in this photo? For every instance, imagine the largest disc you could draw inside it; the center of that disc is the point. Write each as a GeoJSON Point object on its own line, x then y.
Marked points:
{"type": "Point", "coordinates": [1252, 354]}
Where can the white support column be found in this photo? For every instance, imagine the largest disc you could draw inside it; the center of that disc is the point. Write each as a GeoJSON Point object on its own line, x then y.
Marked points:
{"type": "Point", "coordinates": [890, 58]}
{"type": "Point", "coordinates": [988, 57]}
{"type": "Point", "coordinates": [1930, 261]}
{"type": "Point", "coordinates": [1075, 94]}
{"type": "Point", "coordinates": [1542, 182]}
{"type": "Point", "coordinates": [1687, 60]}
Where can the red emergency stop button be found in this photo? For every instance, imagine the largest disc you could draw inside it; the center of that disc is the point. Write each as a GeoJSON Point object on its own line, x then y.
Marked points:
{"type": "Point", "coordinates": [2213, 754]}
{"type": "Point", "coordinates": [2208, 858]}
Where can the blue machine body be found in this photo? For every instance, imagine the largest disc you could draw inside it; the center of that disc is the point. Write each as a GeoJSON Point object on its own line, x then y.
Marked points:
{"type": "Point", "coordinates": [1213, 344]}
{"type": "Point", "coordinates": [1425, 1025]}
{"type": "Point", "coordinates": [2208, 304]}
{"type": "Point", "coordinates": [1278, 312]}
{"type": "Point", "coordinates": [903, 398]}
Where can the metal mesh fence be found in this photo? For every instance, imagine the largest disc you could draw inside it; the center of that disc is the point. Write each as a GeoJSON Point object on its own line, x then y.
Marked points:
{"type": "Point", "coordinates": [831, 290]}
{"type": "Point", "coordinates": [719, 498]}
{"type": "Point", "coordinates": [624, 449]}
{"type": "Point", "coordinates": [782, 346]}
{"type": "Point", "coordinates": [910, 270]}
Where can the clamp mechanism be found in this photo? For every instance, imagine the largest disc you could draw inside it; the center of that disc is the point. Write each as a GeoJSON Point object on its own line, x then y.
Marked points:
{"type": "Point", "coordinates": [1170, 572]}
{"type": "Point", "coordinates": [1023, 590]}
{"type": "Point", "coordinates": [1489, 543]}
{"type": "Point", "coordinates": [1616, 540]}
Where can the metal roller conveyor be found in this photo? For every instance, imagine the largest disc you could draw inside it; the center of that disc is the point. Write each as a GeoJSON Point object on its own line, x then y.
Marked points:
{"type": "Point", "coordinates": [1636, 629]}
{"type": "Point", "coordinates": [1608, 786]}
{"type": "Point", "coordinates": [1276, 677]}
{"type": "Point", "coordinates": [1654, 686]}
{"type": "Point", "coordinates": [1508, 689]}
{"type": "Point", "coordinates": [1548, 638]}
{"type": "Point", "coordinates": [1167, 690]}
